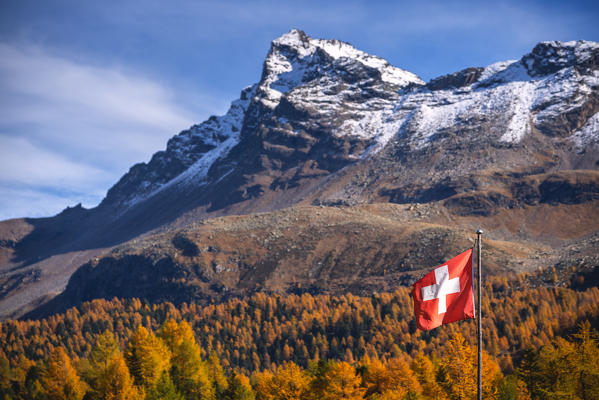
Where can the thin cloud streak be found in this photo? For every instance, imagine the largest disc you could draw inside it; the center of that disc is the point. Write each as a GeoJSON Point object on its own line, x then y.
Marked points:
{"type": "Point", "coordinates": [26, 164]}
{"type": "Point", "coordinates": [69, 130]}
{"type": "Point", "coordinates": [43, 90]}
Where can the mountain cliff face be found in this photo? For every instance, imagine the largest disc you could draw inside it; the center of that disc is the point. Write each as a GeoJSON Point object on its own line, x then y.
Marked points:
{"type": "Point", "coordinates": [322, 105]}
{"type": "Point", "coordinates": [329, 125]}
{"type": "Point", "coordinates": [305, 118]}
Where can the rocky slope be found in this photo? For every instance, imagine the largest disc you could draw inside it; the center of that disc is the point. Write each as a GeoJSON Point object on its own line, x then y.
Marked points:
{"type": "Point", "coordinates": [330, 125]}
{"type": "Point", "coordinates": [361, 249]}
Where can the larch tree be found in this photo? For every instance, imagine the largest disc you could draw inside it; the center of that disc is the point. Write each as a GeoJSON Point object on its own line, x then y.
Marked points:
{"type": "Point", "coordinates": [217, 373]}
{"type": "Point", "coordinates": [402, 377]}
{"type": "Point", "coordinates": [239, 388]}
{"type": "Point", "coordinates": [189, 373]}
{"type": "Point", "coordinates": [60, 380]}
{"type": "Point", "coordinates": [147, 357]}
{"type": "Point", "coordinates": [587, 351]}
{"type": "Point", "coordinates": [289, 383]}
{"type": "Point", "coordinates": [115, 382]}
{"type": "Point", "coordinates": [425, 372]}
{"type": "Point", "coordinates": [458, 369]}
{"type": "Point", "coordinates": [342, 383]}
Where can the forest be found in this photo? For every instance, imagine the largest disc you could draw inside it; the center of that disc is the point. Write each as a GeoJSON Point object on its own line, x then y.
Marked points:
{"type": "Point", "coordinates": [539, 343]}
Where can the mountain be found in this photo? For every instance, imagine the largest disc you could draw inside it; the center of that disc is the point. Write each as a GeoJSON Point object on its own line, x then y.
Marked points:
{"type": "Point", "coordinates": [512, 147]}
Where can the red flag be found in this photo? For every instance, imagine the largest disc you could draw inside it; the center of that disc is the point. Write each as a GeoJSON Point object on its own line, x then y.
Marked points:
{"type": "Point", "coordinates": [445, 294]}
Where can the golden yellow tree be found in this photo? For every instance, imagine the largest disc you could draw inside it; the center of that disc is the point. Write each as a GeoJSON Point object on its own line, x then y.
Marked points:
{"type": "Point", "coordinates": [425, 372]}
{"type": "Point", "coordinates": [402, 377]}
{"type": "Point", "coordinates": [492, 376]}
{"type": "Point", "coordinates": [108, 374]}
{"type": "Point", "coordinates": [570, 369]}
{"type": "Point", "coordinates": [115, 382]}
{"type": "Point", "coordinates": [458, 369]}
{"type": "Point", "coordinates": [189, 373]}
{"type": "Point", "coordinates": [239, 388]}
{"type": "Point", "coordinates": [289, 383]}
{"type": "Point", "coordinates": [587, 351]}
{"type": "Point", "coordinates": [342, 383]}
{"type": "Point", "coordinates": [217, 373]}
{"type": "Point", "coordinates": [173, 333]}
{"type": "Point", "coordinates": [262, 385]}
{"type": "Point", "coordinates": [147, 357]}
{"type": "Point", "coordinates": [394, 379]}
{"type": "Point", "coordinates": [460, 372]}
{"type": "Point", "coordinates": [375, 376]}
{"type": "Point", "coordinates": [60, 380]}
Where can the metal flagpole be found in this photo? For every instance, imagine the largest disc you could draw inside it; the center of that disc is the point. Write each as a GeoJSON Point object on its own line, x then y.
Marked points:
{"type": "Point", "coordinates": [480, 327]}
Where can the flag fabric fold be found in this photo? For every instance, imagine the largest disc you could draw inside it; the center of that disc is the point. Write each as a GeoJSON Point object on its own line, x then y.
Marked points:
{"type": "Point", "coordinates": [445, 294]}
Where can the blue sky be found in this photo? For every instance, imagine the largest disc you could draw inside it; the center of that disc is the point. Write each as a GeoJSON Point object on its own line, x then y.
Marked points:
{"type": "Point", "coordinates": [87, 89]}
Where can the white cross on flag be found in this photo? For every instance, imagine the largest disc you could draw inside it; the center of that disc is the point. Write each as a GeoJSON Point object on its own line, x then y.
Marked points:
{"type": "Point", "coordinates": [445, 294]}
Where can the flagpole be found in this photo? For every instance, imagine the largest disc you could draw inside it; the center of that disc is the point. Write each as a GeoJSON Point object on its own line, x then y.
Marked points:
{"type": "Point", "coordinates": [480, 326]}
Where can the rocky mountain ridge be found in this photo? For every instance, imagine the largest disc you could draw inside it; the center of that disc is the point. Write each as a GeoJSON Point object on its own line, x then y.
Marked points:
{"type": "Point", "coordinates": [323, 93]}
{"type": "Point", "coordinates": [330, 125]}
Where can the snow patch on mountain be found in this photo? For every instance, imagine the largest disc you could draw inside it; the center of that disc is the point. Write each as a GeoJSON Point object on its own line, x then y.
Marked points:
{"type": "Point", "coordinates": [522, 97]}
{"type": "Point", "coordinates": [505, 93]}
{"type": "Point", "coordinates": [431, 113]}
{"type": "Point", "coordinates": [503, 72]}
{"type": "Point", "coordinates": [588, 135]}
{"type": "Point", "coordinates": [198, 172]}
{"type": "Point", "coordinates": [221, 132]}
{"type": "Point", "coordinates": [380, 126]}
{"type": "Point", "coordinates": [339, 90]}
{"type": "Point", "coordinates": [389, 73]}
{"type": "Point", "coordinates": [495, 68]}
{"type": "Point", "coordinates": [306, 46]}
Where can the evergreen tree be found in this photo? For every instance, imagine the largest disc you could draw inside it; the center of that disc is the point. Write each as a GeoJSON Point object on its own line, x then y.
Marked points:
{"type": "Point", "coordinates": [33, 389]}
{"type": "Point", "coordinates": [529, 372]}
{"type": "Point", "coordinates": [513, 388]}
{"type": "Point", "coordinates": [5, 386]}
{"type": "Point", "coordinates": [104, 350]}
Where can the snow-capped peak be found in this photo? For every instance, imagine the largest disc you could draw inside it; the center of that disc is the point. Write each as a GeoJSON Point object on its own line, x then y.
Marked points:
{"type": "Point", "coordinates": [295, 39]}
{"type": "Point", "coordinates": [296, 57]}
{"type": "Point", "coordinates": [364, 103]}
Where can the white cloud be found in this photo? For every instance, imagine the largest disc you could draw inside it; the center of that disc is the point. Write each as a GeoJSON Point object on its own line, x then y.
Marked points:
{"type": "Point", "coordinates": [70, 130]}
{"type": "Point", "coordinates": [23, 163]}
{"type": "Point", "coordinates": [82, 105]}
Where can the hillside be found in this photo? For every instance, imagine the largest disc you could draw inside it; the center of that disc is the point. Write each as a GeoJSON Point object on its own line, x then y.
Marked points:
{"type": "Point", "coordinates": [511, 147]}
{"type": "Point", "coordinates": [362, 250]}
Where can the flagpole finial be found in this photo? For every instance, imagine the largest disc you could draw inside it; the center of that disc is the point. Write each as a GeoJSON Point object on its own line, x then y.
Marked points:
{"type": "Point", "coordinates": [479, 231]}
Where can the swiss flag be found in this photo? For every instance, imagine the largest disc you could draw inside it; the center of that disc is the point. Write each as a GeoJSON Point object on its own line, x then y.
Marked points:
{"type": "Point", "coordinates": [445, 294]}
